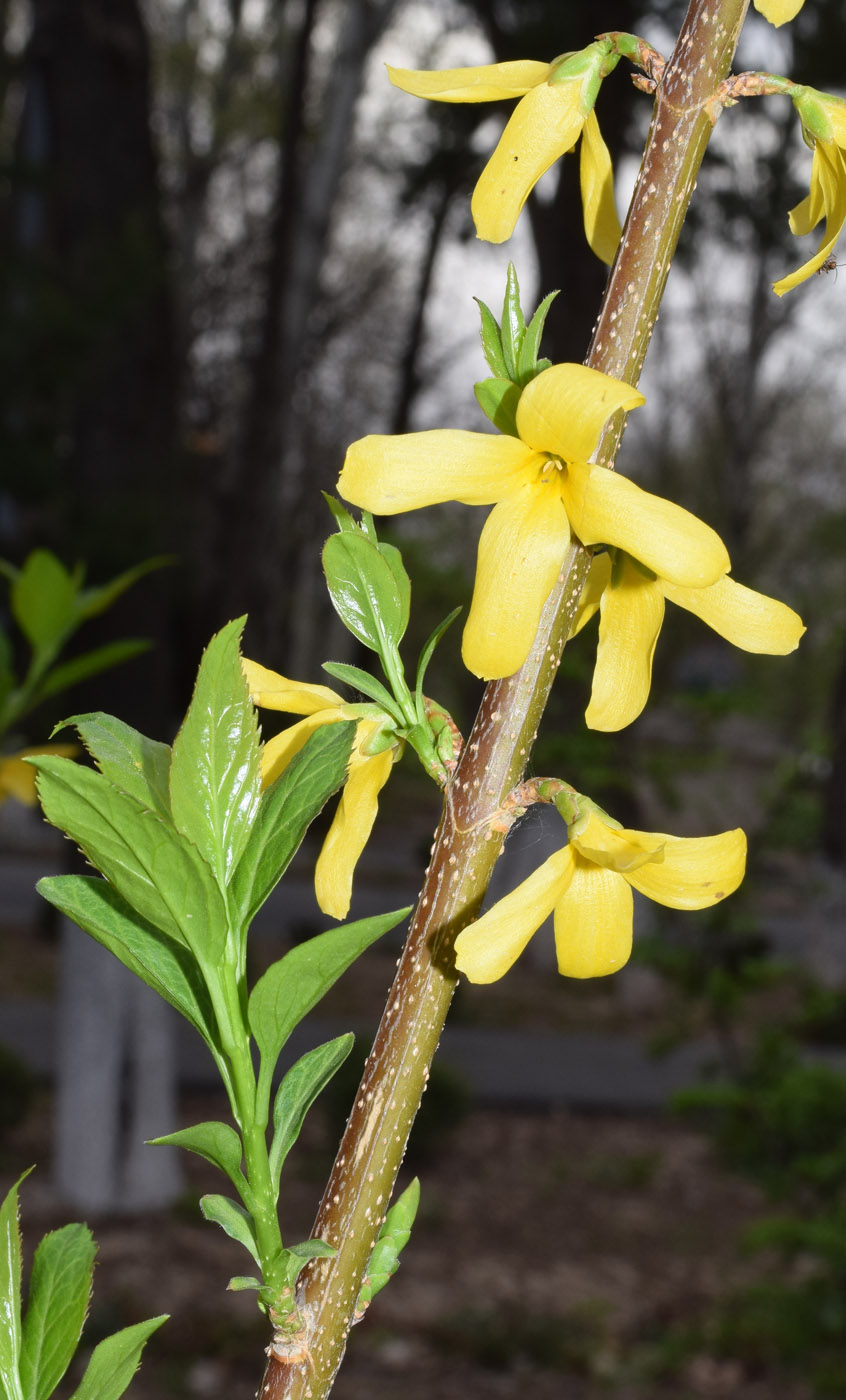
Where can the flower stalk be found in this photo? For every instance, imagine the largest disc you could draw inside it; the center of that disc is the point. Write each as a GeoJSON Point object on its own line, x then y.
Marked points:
{"type": "Point", "coordinates": [492, 764]}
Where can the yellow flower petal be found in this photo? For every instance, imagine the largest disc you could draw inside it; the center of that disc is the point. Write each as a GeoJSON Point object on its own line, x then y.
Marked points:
{"type": "Point", "coordinates": [832, 177]}
{"type": "Point", "coordinates": [487, 949]}
{"type": "Point", "coordinates": [598, 578]}
{"type": "Point", "coordinates": [602, 226]}
{"type": "Point", "coordinates": [606, 508]}
{"type": "Point", "coordinates": [351, 827]}
{"type": "Point", "coordinates": [615, 848]}
{"type": "Point", "coordinates": [631, 613]}
{"type": "Point", "coordinates": [271, 691]}
{"type": "Point", "coordinates": [808, 212]}
{"type": "Point", "coordinates": [544, 124]}
{"type": "Point", "coordinates": [520, 552]}
{"type": "Point", "coordinates": [487, 83]}
{"type": "Point", "coordinates": [564, 410]}
{"type": "Point", "coordinates": [278, 751]}
{"type": "Point", "coordinates": [696, 871]}
{"type": "Point", "coordinates": [593, 922]}
{"type": "Point", "coordinates": [387, 474]}
{"type": "Point", "coordinates": [745, 618]}
{"type": "Point", "coordinates": [778, 12]}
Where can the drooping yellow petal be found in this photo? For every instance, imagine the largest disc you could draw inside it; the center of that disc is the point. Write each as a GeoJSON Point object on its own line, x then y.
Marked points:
{"type": "Point", "coordinates": [832, 174]}
{"type": "Point", "coordinates": [488, 83]}
{"type": "Point", "coordinates": [487, 949]}
{"type": "Point", "coordinates": [278, 751]}
{"type": "Point", "coordinates": [599, 576]}
{"type": "Point", "coordinates": [270, 691]}
{"type": "Point", "coordinates": [808, 212]}
{"type": "Point", "coordinates": [696, 870]}
{"type": "Point", "coordinates": [564, 410]}
{"type": "Point", "coordinates": [544, 124]}
{"type": "Point", "coordinates": [778, 12]}
{"type": "Point", "coordinates": [631, 613]}
{"type": "Point", "coordinates": [351, 827]}
{"type": "Point", "coordinates": [602, 226]}
{"type": "Point", "coordinates": [593, 922]}
{"type": "Point", "coordinates": [387, 474]}
{"type": "Point", "coordinates": [747, 619]}
{"type": "Point", "coordinates": [521, 549]}
{"type": "Point", "coordinates": [615, 848]}
{"type": "Point", "coordinates": [606, 508]}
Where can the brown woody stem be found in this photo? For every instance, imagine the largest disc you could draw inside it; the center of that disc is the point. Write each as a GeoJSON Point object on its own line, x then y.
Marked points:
{"type": "Point", "coordinates": [494, 759]}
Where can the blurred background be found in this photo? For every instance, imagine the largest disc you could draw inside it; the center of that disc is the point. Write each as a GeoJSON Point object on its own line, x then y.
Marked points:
{"type": "Point", "coordinates": [229, 248]}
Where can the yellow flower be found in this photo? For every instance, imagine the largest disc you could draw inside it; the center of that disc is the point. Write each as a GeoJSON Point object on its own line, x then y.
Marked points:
{"type": "Point", "coordinates": [824, 128]}
{"type": "Point", "coordinates": [778, 12]}
{"type": "Point", "coordinates": [588, 885]}
{"type": "Point", "coordinates": [542, 483]}
{"type": "Point", "coordinates": [555, 109]}
{"type": "Point", "coordinates": [366, 775]}
{"type": "Point", "coordinates": [631, 604]}
{"type": "Point", "coordinates": [17, 778]}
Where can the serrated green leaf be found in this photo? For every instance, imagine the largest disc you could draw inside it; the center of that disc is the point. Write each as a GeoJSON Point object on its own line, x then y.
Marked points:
{"type": "Point", "coordinates": [164, 965]}
{"type": "Point", "coordinates": [93, 601]}
{"type": "Point", "coordinates": [59, 1290]}
{"type": "Point", "coordinates": [513, 323]}
{"type": "Point", "coordinates": [114, 1362]}
{"type": "Point", "coordinates": [491, 341]}
{"type": "Point", "coordinates": [215, 770]}
{"type": "Point", "coordinates": [286, 809]}
{"type": "Point", "coordinates": [357, 679]}
{"type": "Point", "coordinates": [393, 558]}
{"type": "Point", "coordinates": [297, 1092]}
{"type": "Point", "coordinates": [148, 862]}
{"type": "Point", "coordinates": [234, 1219]}
{"type": "Point", "coordinates": [364, 591]}
{"type": "Point", "coordinates": [217, 1142]}
{"type": "Point", "coordinates": [42, 600]}
{"type": "Point", "coordinates": [137, 765]}
{"type": "Point", "coordinates": [429, 648]}
{"type": "Point", "coordinates": [498, 400]}
{"type": "Point", "coordinates": [340, 514]}
{"type": "Point", "coordinates": [527, 366]}
{"type": "Point", "coordinates": [10, 1293]}
{"type": "Point", "coordinates": [91, 663]}
{"type": "Point", "coordinates": [293, 985]}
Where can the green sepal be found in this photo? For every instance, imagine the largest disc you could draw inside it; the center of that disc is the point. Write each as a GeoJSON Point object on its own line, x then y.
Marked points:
{"type": "Point", "coordinates": [219, 1144]}
{"type": "Point", "coordinates": [426, 656]}
{"type": "Point", "coordinates": [243, 1283]}
{"type": "Point", "coordinates": [513, 323]}
{"type": "Point", "coordinates": [10, 1292]}
{"type": "Point", "coordinates": [492, 341]}
{"type": "Point", "coordinates": [59, 1292]}
{"type": "Point", "coordinates": [358, 679]}
{"type": "Point", "coordinates": [297, 1092]}
{"type": "Point", "coordinates": [498, 400]}
{"type": "Point", "coordinates": [365, 591]}
{"type": "Point", "coordinates": [91, 663]}
{"type": "Point", "coordinates": [137, 765]}
{"type": "Point", "coordinates": [285, 811]}
{"type": "Point", "coordinates": [527, 364]}
{"type": "Point", "coordinates": [234, 1220]}
{"type": "Point", "coordinates": [215, 770]}
{"type": "Point", "coordinates": [114, 1362]}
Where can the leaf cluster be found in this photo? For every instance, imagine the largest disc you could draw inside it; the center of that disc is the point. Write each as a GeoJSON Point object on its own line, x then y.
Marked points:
{"type": "Point", "coordinates": [511, 350]}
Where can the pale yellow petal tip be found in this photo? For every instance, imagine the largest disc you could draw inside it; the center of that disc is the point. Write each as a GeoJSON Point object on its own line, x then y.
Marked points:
{"type": "Point", "coordinates": [480, 960]}
{"type": "Point", "coordinates": [778, 12]}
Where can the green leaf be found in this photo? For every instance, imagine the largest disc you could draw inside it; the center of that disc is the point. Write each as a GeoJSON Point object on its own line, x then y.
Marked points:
{"type": "Point", "coordinates": [513, 324]}
{"type": "Point", "coordinates": [293, 985]}
{"type": "Point", "coordinates": [42, 599]}
{"type": "Point", "coordinates": [340, 514]}
{"type": "Point", "coordinates": [492, 341]}
{"type": "Point", "coordinates": [393, 558]}
{"type": "Point", "coordinates": [527, 366]}
{"type": "Point", "coordinates": [243, 1283]}
{"type": "Point", "coordinates": [215, 771]}
{"type": "Point", "coordinates": [59, 1290]}
{"type": "Point", "coordinates": [364, 591]}
{"type": "Point", "coordinates": [164, 965]}
{"type": "Point", "coordinates": [429, 647]}
{"type": "Point", "coordinates": [135, 764]}
{"type": "Point", "coordinates": [498, 400]}
{"type": "Point", "coordinates": [91, 663]}
{"type": "Point", "coordinates": [297, 1092]}
{"type": "Point", "coordinates": [93, 601]}
{"type": "Point", "coordinates": [114, 1362]}
{"type": "Point", "coordinates": [10, 1293]}
{"type": "Point", "coordinates": [234, 1219]}
{"type": "Point", "coordinates": [286, 809]}
{"type": "Point", "coordinates": [157, 871]}
{"type": "Point", "coordinates": [217, 1142]}
{"type": "Point", "coordinates": [362, 680]}
{"type": "Point", "coordinates": [312, 1249]}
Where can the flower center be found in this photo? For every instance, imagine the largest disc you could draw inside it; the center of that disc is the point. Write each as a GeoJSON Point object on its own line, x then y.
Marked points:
{"type": "Point", "coordinates": [550, 467]}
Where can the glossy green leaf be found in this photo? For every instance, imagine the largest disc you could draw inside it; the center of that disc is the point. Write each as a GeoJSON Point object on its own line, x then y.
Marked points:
{"type": "Point", "coordinates": [491, 341]}
{"type": "Point", "coordinates": [393, 558]}
{"type": "Point", "coordinates": [498, 400]}
{"type": "Point", "coordinates": [10, 1293]}
{"type": "Point", "coordinates": [429, 648]}
{"type": "Point", "coordinates": [297, 1092]}
{"type": "Point", "coordinates": [59, 1290]}
{"type": "Point", "coordinates": [114, 1362]}
{"type": "Point", "coordinates": [286, 809]}
{"type": "Point", "coordinates": [164, 965]}
{"type": "Point", "coordinates": [217, 1142]}
{"type": "Point", "coordinates": [513, 324]}
{"type": "Point", "coordinates": [293, 985]}
{"type": "Point", "coordinates": [215, 771]}
{"type": "Point", "coordinates": [91, 663]}
{"type": "Point", "coordinates": [358, 679]}
{"type": "Point", "coordinates": [137, 765]}
{"type": "Point", "coordinates": [527, 365]}
{"type": "Point", "coordinates": [234, 1219]}
{"type": "Point", "coordinates": [364, 590]}
{"type": "Point", "coordinates": [156, 870]}
{"type": "Point", "coordinates": [42, 600]}
{"type": "Point", "coordinates": [342, 517]}
{"type": "Point", "coordinates": [93, 601]}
